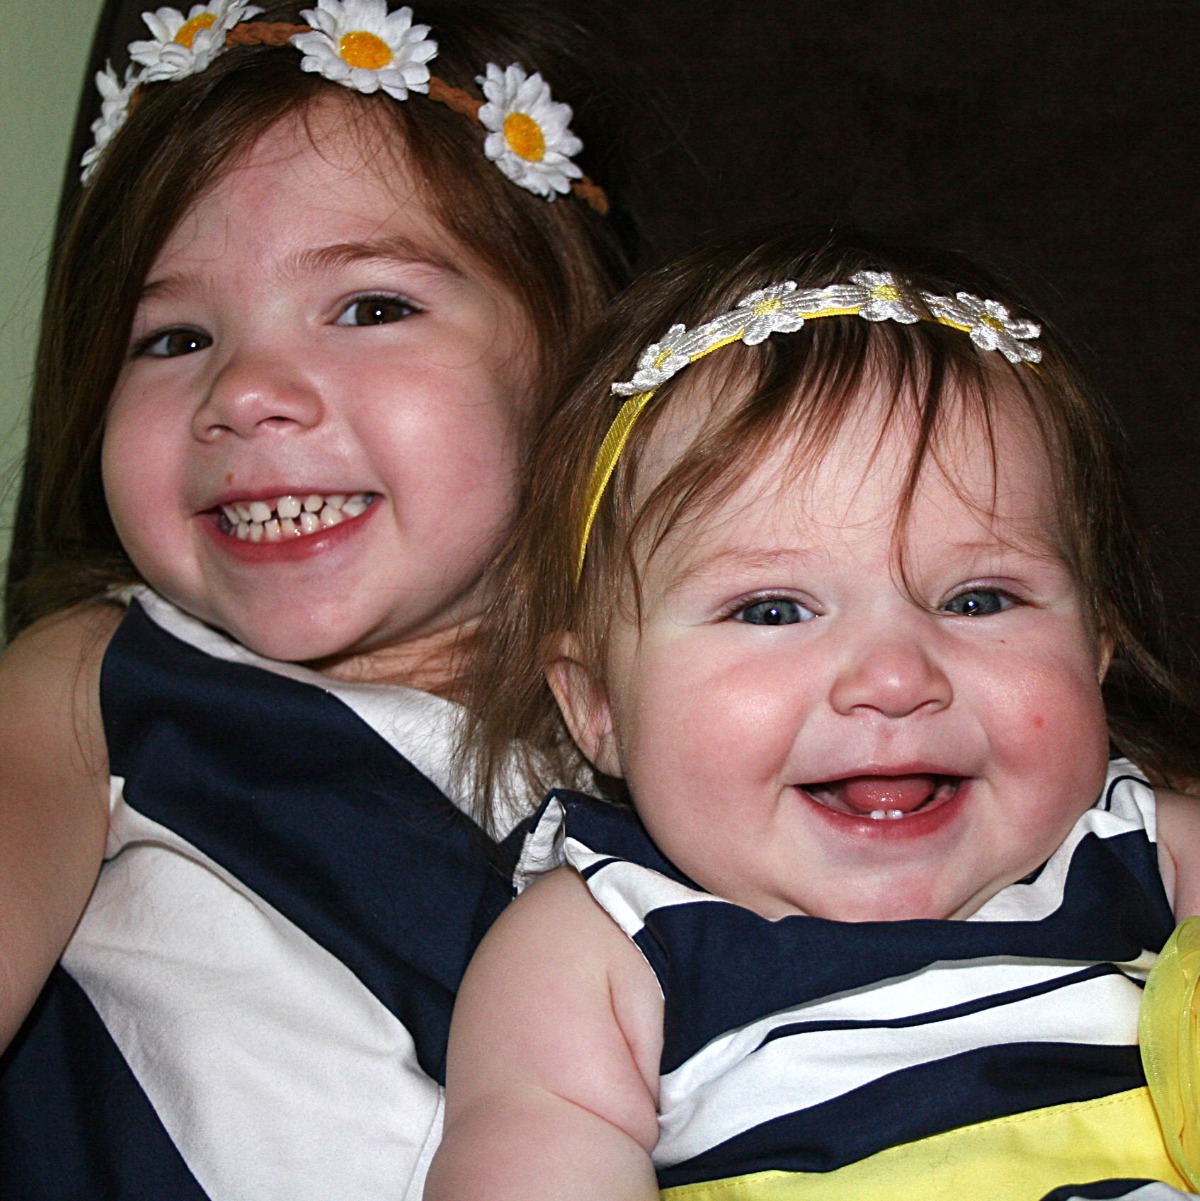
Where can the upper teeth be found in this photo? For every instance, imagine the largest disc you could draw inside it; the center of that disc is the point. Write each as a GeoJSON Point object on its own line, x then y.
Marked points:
{"type": "Point", "coordinates": [884, 815]}
{"type": "Point", "coordinates": [291, 516]}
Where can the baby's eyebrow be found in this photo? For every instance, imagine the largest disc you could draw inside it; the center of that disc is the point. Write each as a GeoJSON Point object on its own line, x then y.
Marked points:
{"type": "Point", "coordinates": [736, 558]}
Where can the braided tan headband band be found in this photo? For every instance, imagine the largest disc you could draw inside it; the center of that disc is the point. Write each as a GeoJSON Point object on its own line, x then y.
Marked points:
{"type": "Point", "coordinates": [360, 45]}
{"type": "Point", "coordinates": [783, 309]}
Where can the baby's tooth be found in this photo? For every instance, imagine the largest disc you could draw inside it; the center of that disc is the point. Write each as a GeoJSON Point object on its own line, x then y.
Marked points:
{"type": "Point", "coordinates": [336, 500]}
{"type": "Point", "coordinates": [331, 516]}
{"type": "Point", "coordinates": [259, 511]}
{"type": "Point", "coordinates": [877, 815]}
{"type": "Point", "coordinates": [243, 530]}
{"type": "Point", "coordinates": [355, 506]}
{"type": "Point", "coordinates": [309, 522]}
{"type": "Point", "coordinates": [243, 511]}
{"type": "Point", "coordinates": [288, 506]}
{"type": "Point", "coordinates": [230, 514]}
{"type": "Point", "coordinates": [256, 532]}
{"type": "Point", "coordinates": [289, 528]}
{"type": "Point", "coordinates": [313, 503]}
{"type": "Point", "coordinates": [271, 531]}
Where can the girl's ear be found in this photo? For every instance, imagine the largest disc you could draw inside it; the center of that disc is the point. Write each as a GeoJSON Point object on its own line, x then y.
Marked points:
{"type": "Point", "coordinates": [583, 701]}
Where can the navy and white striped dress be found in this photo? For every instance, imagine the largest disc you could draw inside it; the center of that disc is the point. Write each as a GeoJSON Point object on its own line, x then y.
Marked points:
{"type": "Point", "coordinates": [255, 1004]}
{"type": "Point", "coordinates": [804, 1052]}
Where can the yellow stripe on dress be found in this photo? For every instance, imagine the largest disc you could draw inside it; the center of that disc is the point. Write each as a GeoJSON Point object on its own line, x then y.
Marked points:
{"type": "Point", "coordinates": [1016, 1158]}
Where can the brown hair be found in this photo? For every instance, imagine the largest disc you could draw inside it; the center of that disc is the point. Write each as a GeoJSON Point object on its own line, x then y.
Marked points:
{"type": "Point", "coordinates": [802, 385]}
{"type": "Point", "coordinates": [561, 259]}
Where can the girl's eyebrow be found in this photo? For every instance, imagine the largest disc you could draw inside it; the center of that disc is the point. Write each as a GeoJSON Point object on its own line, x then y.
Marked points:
{"type": "Point", "coordinates": [392, 248]}
{"type": "Point", "coordinates": [395, 248]}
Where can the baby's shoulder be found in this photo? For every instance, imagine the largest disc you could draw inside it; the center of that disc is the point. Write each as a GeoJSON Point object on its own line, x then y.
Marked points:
{"type": "Point", "coordinates": [1179, 849]}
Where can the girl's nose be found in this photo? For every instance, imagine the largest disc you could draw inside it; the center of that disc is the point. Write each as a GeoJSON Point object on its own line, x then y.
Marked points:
{"type": "Point", "coordinates": [255, 394]}
{"type": "Point", "coordinates": [895, 676]}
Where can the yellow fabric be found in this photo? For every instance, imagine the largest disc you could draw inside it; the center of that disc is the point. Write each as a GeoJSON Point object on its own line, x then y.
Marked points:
{"type": "Point", "coordinates": [1169, 1035]}
{"type": "Point", "coordinates": [1016, 1158]}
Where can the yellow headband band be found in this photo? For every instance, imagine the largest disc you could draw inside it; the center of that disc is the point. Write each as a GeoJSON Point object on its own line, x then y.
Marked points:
{"type": "Point", "coordinates": [783, 309]}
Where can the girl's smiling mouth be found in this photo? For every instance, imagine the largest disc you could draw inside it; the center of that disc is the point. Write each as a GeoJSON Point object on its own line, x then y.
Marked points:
{"type": "Point", "coordinates": [884, 798]}
{"type": "Point", "coordinates": [290, 516]}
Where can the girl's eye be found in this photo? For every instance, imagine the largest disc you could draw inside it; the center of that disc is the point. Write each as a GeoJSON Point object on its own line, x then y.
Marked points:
{"type": "Point", "coordinates": [173, 342]}
{"type": "Point", "coordinates": [774, 612]}
{"type": "Point", "coordinates": [979, 602]}
{"type": "Point", "coordinates": [375, 310]}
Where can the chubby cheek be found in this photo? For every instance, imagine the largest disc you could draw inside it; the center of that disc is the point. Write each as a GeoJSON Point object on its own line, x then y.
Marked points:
{"type": "Point", "coordinates": [1049, 718]}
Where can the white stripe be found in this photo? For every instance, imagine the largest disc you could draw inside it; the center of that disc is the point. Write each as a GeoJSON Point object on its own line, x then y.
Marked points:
{"type": "Point", "coordinates": [1132, 811]}
{"type": "Point", "coordinates": [729, 1087]}
{"type": "Point", "coordinates": [278, 1075]}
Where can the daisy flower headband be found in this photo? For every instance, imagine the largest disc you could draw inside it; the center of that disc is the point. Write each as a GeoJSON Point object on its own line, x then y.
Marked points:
{"type": "Point", "coordinates": [360, 45]}
{"type": "Point", "coordinates": [783, 309]}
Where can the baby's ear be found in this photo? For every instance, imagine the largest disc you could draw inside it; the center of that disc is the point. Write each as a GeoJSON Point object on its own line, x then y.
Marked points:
{"type": "Point", "coordinates": [583, 700]}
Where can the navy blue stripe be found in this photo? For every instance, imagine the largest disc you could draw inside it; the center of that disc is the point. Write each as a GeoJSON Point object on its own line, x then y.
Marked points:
{"type": "Point", "coordinates": [75, 1124]}
{"type": "Point", "coordinates": [920, 1101]}
{"type": "Point", "coordinates": [1109, 914]}
{"type": "Point", "coordinates": [301, 800]}
{"type": "Point", "coordinates": [977, 1005]}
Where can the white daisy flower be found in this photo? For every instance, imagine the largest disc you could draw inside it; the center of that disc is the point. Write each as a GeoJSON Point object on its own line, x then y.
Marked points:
{"type": "Point", "coordinates": [658, 363]}
{"type": "Point", "coordinates": [360, 45]}
{"type": "Point", "coordinates": [886, 302]}
{"type": "Point", "coordinates": [114, 108]}
{"type": "Point", "coordinates": [529, 137]}
{"type": "Point", "coordinates": [993, 329]}
{"type": "Point", "coordinates": [185, 45]}
{"type": "Point", "coordinates": [772, 311]}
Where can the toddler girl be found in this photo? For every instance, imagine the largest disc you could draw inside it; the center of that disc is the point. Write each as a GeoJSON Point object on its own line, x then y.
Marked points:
{"type": "Point", "coordinates": [833, 602]}
{"type": "Point", "coordinates": [296, 336]}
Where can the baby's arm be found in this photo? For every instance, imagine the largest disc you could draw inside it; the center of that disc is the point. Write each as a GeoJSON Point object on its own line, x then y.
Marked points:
{"type": "Point", "coordinates": [1179, 850]}
{"type": "Point", "coordinates": [53, 795]}
{"type": "Point", "coordinates": [553, 1065]}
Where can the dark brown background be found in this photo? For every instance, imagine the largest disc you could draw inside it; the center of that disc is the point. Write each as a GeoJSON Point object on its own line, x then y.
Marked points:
{"type": "Point", "coordinates": [1055, 139]}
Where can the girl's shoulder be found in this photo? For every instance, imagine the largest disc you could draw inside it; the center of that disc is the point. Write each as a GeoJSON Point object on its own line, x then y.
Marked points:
{"type": "Point", "coordinates": [53, 793]}
{"type": "Point", "coordinates": [51, 670]}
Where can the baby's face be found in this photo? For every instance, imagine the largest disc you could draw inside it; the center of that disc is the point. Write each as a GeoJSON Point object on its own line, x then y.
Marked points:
{"type": "Point", "coordinates": [803, 731]}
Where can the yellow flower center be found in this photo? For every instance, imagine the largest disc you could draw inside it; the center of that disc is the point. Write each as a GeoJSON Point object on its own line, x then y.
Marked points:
{"type": "Point", "coordinates": [524, 137]}
{"type": "Point", "coordinates": [188, 30]}
{"type": "Point", "coordinates": [885, 292]}
{"type": "Point", "coordinates": [988, 319]}
{"type": "Point", "coordinates": [763, 307]}
{"type": "Point", "coordinates": [367, 50]}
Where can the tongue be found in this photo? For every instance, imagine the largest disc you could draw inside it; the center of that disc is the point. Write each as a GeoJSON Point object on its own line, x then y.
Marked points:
{"type": "Point", "coordinates": [866, 794]}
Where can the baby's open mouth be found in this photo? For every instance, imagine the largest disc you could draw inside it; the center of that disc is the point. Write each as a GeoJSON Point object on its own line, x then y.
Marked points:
{"type": "Point", "coordinates": [290, 516]}
{"type": "Point", "coordinates": [884, 798]}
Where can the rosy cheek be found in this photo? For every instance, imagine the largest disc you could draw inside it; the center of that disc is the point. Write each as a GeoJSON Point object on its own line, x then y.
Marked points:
{"type": "Point", "coordinates": [1038, 721]}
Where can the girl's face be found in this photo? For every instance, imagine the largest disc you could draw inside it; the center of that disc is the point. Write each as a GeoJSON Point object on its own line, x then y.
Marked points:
{"type": "Point", "coordinates": [802, 733]}
{"type": "Point", "coordinates": [311, 332]}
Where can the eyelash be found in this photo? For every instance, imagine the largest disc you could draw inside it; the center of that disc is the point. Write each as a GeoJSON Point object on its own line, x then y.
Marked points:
{"type": "Point", "coordinates": [381, 298]}
{"type": "Point", "coordinates": [1011, 601]}
{"type": "Point", "coordinates": [733, 611]}
{"type": "Point", "coordinates": [143, 346]}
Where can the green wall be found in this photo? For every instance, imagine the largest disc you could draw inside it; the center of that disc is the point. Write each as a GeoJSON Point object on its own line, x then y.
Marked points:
{"type": "Point", "coordinates": [43, 60]}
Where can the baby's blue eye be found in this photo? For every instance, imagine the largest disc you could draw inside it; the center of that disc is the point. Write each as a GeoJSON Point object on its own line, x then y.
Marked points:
{"type": "Point", "coordinates": [979, 602]}
{"type": "Point", "coordinates": [173, 342]}
{"type": "Point", "coordinates": [375, 310]}
{"type": "Point", "coordinates": [774, 612]}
